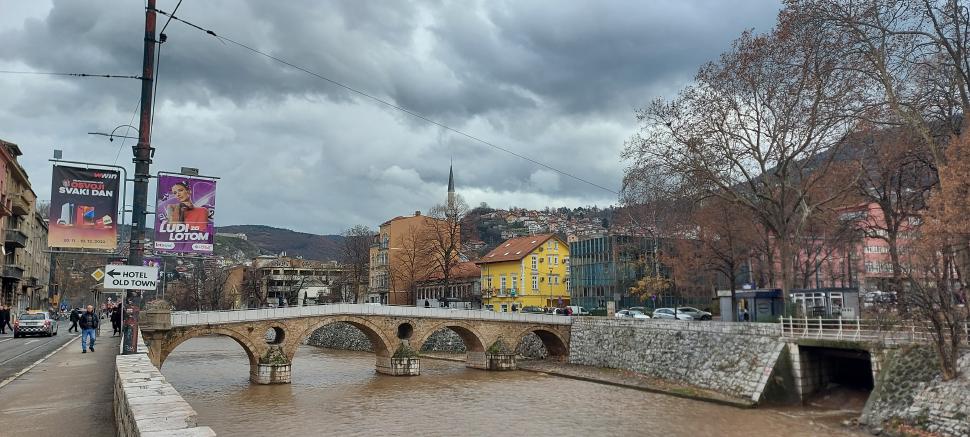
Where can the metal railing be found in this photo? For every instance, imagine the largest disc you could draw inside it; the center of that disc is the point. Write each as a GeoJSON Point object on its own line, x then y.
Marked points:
{"type": "Point", "coordinates": [862, 330]}
{"type": "Point", "coordinates": [189, 318]}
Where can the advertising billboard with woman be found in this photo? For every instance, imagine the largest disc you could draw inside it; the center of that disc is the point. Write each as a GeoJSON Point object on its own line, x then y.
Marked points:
{"type": "Point", "coordinates": [184, 213]}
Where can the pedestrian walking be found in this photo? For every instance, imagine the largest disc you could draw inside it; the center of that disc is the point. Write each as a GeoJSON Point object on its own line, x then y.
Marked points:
{"type": "Point", "coordinates": [89, 328]}
{"type": "Point", "coordinates": [4, 319]}
{"type": "Point", "coordinates": [75, 315]}
{"type": "Point", "coordinates": [116, 320]}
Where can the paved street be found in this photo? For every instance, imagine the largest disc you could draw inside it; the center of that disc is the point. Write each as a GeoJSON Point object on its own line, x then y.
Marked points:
{"type": "Point", "coordinates": [69, 392]}
{"type": "Point", "coordinates": [18, 353]}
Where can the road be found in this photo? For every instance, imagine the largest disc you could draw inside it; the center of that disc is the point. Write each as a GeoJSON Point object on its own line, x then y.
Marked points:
{"type": "Point", "coordinates": [18, 353]}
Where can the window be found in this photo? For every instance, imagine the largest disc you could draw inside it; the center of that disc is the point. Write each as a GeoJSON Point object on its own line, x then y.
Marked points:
{"type": "Point", "coordinates": [535, 262]}
{"type": "Point", "coordinates": [877, 249]}
{"type": "Point", "coordinates": [535, 282]}
{"type": "Point", "coordinates": [512, 281]}
{"type": "Point", "coordinates": [502, 281]}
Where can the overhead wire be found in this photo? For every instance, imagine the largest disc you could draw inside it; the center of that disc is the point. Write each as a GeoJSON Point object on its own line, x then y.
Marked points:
{"type": "Point", "coordinates": [51, 73]}
{"type": "Point", "coordinates": [127, 130]}
{"type": "Point", "coordinates": [158, 63]}
{"type": "Point", "coordinates": [383, 101]}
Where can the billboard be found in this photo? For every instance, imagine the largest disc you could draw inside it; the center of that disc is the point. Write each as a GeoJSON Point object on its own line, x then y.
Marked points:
{"type": "Point", "coordinates": [84, 208]}
{"type": "Point", "coordinates": [184, 212]}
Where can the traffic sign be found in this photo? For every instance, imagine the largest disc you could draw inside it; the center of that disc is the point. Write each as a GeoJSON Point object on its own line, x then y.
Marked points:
{"type": "Point", "coordinates": [130, 277]}
{"type": "Point", "coordinates": [98, 274]}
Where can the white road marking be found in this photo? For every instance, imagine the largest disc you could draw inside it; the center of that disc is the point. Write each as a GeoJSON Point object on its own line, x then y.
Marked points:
{"type": "Point", "coordinates": [30, 341]}
{"type": "Point", "coordinates": [8, 339]}
{"type": "Point", "coordinates": [28, 368]}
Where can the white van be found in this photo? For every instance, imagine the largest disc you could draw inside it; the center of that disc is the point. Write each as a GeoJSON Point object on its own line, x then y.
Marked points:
{"type": "Point", "coordinates": [579, 311]}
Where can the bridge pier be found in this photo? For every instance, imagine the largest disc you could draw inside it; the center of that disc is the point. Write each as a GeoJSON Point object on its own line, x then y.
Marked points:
{"type": "Point", "coordinates": [268, 374]}
{"type": "Point", "coordinates": [487, 361]}
{"type": "Point", "coordinates": [272, 368]}
{"type": "Point", "coordinates": [404, 366]}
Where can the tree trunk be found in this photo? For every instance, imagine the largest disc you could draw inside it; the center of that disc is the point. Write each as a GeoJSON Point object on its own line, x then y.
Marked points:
{"type": "Point", "coordinates": [787, 266]}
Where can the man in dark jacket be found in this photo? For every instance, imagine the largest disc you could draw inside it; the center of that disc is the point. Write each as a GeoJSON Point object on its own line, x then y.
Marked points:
{"type": "Point", "coordinates": [89, 327]}
{"type": "Point", "coordinates": [75, 315]}
{"type": "Point", "coordinates": [116, 320]}
{"type": "Point", "coordinates": [4, 318]}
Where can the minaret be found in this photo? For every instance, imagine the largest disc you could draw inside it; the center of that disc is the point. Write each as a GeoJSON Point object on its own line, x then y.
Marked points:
{"type": "Point", "coordinates": [451, 189]}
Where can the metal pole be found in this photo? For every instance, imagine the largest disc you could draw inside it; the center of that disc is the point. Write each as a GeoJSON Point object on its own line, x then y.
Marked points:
{"type": "Point", "coordinates": [142, 158]}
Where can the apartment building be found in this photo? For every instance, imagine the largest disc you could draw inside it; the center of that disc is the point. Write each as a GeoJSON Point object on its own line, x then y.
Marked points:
{"type": "Point", "coordinates": [25, 271]}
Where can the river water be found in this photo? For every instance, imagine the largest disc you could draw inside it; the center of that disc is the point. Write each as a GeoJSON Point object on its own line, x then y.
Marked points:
{"type": "Point", "coordinates": [338, 393]}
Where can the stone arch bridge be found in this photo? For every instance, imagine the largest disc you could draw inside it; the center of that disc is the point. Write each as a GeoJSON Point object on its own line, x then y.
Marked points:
{"type": "Point", "coordinates": [271, 337]}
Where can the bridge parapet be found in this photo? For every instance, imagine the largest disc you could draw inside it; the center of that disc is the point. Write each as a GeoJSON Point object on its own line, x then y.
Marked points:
{"type": "Point", "coordinates": [871, 331]}
{"type": "Point", "coordinates": [186, 318]}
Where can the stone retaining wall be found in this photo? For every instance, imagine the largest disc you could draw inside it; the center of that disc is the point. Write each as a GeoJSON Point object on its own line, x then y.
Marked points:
{"type": "Point", "coordinates": [146, 405]}
{"type": "Point", "coordinates": [735, 359]}
{"type": "Point", "coordinates": [346, 337]}
{"type": "Point", "coordinates": [910, 391]}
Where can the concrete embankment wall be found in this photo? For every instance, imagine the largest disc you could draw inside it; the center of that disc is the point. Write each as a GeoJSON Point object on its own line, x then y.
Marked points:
{"type": "Point", "coordinates": [910, 391]}
{"type": "Point", "coordinates": [735, 359]}
{"type": "Point", "coordinates": [146, 405]}
{"type": "Point", "coordinates": [346, 337]}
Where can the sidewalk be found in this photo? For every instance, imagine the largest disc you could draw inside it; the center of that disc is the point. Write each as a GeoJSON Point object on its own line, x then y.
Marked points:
{"type": "Point", "coordinates": [69, 393]}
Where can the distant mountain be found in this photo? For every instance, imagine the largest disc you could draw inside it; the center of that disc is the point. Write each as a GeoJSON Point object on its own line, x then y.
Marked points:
{"type": "Point", "coordinates": [270, 240]}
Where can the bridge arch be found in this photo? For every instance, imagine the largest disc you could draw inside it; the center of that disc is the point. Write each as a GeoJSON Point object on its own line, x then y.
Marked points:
{"type": "Point", "coordinates": [252, 350]}
{"type": "Point", "coordinates": [472, 339]}
{"type": "Point", "coordinates": [379, 341]}
{"type": "Point", "coordinates": [555, 344]}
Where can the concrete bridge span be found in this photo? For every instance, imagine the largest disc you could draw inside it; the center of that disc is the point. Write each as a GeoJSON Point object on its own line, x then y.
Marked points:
{"type": "Point", "coordinates": [271, 337]}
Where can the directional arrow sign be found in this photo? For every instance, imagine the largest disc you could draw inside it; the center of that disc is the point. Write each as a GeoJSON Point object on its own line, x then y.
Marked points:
{"type": "Point", "coordinates": [130, 277]}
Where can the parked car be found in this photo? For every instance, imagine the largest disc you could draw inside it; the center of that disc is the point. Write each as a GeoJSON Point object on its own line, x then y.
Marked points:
{"type": "Point", "coordinates": [668, 313]}
{"type": "Point", "coordinates": [34, 324]}
{"type": "Point", "coordinates": [598, 311]}
{"type": "Point", "coordinates": [695, 313]}
{"type": "Point", "coordinates": [579, 311]}
{"type": "Point", "coordinates": [630, 314]}
{"type": "Point", "coordinates": [533, 310]}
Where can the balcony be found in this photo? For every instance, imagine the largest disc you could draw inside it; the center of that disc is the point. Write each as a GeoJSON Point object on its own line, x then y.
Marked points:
{"type": "Point", "coordinates": [19, 205]}
{"type": "Point", "coordinates": [12, 271]}
{"type": "Point", "coordinates": [15, 238]}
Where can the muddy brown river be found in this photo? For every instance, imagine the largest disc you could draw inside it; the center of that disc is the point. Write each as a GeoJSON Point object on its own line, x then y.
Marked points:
{"type": "Point", "coordinates": [338, 393]}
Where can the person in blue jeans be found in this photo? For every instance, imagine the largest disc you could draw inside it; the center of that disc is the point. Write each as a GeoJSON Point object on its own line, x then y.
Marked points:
{"type": "Point", "coordinates": [89, 329]}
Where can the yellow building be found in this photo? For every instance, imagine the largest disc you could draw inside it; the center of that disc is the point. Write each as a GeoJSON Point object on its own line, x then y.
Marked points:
{"type": "Point", "coordinates": [531, 271]}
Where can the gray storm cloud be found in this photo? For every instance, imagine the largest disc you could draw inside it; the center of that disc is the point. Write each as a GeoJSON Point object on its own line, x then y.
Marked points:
{"type": "Point", "coordinates": [556, 81]}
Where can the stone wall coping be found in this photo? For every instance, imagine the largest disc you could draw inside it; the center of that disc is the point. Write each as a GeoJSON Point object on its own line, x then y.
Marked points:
{"type": "Point", "coordinates": [210, 317]}
{"type": "Point", "coordinates": [146, 405]}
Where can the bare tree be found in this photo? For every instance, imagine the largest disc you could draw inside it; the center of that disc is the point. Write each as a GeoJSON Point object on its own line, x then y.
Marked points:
{"type": "Point", "coordinates": [212, 284]}
{"type": "Point", "coordinates": [896, 175]}
{"type": "Point", "coordinates": [444, 238]}
{"type": "Point", "coordinates": [725, 239]}
{"type": "Point", "coordinates": [411, 262]}
{"type": "Point", "coordinates": [355, 255]}
{"type": "Point", "coordinates": [915, 55]}
{"type": "Point", "coordinates": [759, 129]}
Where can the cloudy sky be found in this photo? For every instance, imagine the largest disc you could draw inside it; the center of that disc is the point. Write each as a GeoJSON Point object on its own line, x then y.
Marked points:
{"type": "Point", "coordinates": [556, 81]}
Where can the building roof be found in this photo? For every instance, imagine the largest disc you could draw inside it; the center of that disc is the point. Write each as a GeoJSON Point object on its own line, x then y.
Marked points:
{"type": "Point", "coordinates": [516, 248]}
